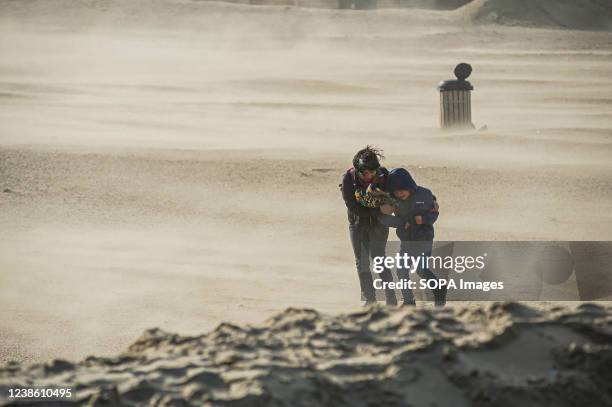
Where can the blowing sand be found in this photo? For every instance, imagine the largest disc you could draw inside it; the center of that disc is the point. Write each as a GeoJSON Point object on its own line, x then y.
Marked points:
{"type": "Point", "coordinates": [174, 164]}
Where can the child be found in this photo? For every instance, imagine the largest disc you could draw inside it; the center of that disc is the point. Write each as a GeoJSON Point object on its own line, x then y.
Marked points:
{"type": "Point", "coordinates": [415, 212]}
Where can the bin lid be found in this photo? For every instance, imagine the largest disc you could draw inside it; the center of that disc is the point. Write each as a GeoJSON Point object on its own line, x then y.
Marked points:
{"type": "Point", "coordinates": [455, 84]}
{"type": "Point", "coordinates": [462, 72]}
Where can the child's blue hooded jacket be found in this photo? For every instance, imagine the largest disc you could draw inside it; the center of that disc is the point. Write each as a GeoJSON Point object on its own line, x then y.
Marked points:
{"type": "Point", "coordinates": [421, 203]}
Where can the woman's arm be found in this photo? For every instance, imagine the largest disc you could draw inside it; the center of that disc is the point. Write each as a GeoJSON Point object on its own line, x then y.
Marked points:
{"type": "Point", "coordinates": [429, 217]}
{"type": "Point", "coordinates": [348, 194]}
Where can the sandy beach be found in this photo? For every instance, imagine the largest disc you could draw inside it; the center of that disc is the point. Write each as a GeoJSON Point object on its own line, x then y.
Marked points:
{"type": "Point", "coordinates": [175, 164]}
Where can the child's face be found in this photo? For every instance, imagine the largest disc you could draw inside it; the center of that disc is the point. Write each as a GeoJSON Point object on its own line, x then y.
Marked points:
{"type": "Point", "coordinates": [402, 194]}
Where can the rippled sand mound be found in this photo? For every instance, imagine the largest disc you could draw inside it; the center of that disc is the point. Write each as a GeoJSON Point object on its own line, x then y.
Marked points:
{"type": "Point", "coordinates": [573, 14]}
{"type": "Point", "coordinates": [500, 354]}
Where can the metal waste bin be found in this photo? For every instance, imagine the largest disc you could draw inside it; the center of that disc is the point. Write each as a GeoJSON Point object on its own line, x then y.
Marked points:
{"type": "Point", "coordinates": [455, 99]}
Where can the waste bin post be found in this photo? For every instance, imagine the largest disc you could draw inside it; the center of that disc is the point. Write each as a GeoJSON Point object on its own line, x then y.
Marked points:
{"type": "Point", "coordinates": [455, 99]}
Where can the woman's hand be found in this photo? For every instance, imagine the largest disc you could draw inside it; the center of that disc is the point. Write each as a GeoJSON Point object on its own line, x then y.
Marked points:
{"type": "Point", "coordinates": [418, 220]}
{"type": "Point", "coordinates": [386, 209]}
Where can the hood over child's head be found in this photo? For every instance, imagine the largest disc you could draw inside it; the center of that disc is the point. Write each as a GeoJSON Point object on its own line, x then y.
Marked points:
{"type": "Point", "coordinates": [400, 183]}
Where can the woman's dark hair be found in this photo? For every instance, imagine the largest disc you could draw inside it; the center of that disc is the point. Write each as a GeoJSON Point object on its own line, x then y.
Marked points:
{"type": "Point", "coordinates": [368, 158]}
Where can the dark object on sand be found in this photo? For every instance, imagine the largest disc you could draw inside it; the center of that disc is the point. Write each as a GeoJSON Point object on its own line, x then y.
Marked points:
{"type": "Point", "coordinates": [455, 99]}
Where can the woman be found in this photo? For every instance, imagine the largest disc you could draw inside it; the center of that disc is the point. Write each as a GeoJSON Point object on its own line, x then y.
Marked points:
{"type": "Point", "coordinates": [368, 234]}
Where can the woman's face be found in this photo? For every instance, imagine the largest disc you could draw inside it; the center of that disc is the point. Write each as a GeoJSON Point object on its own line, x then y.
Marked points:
{"type": "Point", "coordinates": [368, 175]}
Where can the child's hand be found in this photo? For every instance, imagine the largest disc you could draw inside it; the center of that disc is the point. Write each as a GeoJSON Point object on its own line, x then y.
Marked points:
{"type": "Point", "coordinates": [407, 225]}
{"type": "Point", "coordinates": [418, 220]}
{"type": "Point", "coordinates": [386, 209]}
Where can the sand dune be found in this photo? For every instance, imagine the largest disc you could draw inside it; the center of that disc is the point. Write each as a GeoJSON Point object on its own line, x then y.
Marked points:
{"type": "Point", "coordinates": [572, 14]}
{"type": "Point", "coordinates": [503, 354]}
